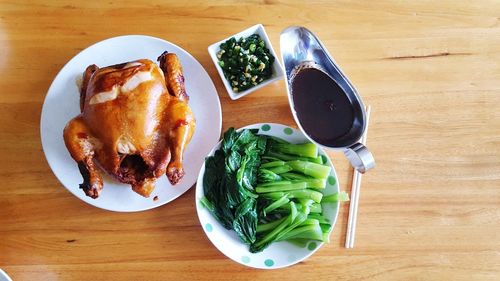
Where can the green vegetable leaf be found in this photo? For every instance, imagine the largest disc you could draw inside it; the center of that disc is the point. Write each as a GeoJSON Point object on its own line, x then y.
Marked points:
{"type": "Point", "coordinates": [245, 222]}
{"type": "Point", "coordinates": [246, 136]}
{"type": "Point", "coordinates": [233, 161]}
{"type": "Point", "coordinates": [230, 137]}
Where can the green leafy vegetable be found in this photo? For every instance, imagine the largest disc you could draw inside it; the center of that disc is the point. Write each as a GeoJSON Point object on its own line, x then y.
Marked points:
{"type": "Point", "coordinates": [245, 220]}
{"type": "Point", "coordinates": [340, 197]}
{"type": "Point", "coordinates": [265, 175]}
{"type": "Point", "coordinates": [272, 164]}
{"type": "Point", "coordinates": [276, 204]}
{"type": "Point", "coordinates": [311, 169]}
{"type": "Point", "coordinates": [306, 149]}
{"type": "Point", "coordinates": [281, 187]}
{"type": "Point", "coordinates": [280, 169]}
{"type": "Point", "coordinates": [229, 180]}
{"type": "Point", "coordinates": [266, 189]}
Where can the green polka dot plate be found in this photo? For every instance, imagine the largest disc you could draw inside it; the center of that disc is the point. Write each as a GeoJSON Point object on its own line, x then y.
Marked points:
{"type": "Point", "coordinates": [278, 254]}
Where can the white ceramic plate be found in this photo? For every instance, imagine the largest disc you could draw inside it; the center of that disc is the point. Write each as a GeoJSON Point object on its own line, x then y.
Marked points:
{"type": "Point", "coordinates": [4, 276]}
{"type": "Point", "coordinates": [62, 103]}
{"type": "Point", "coordinates": [277, 255]}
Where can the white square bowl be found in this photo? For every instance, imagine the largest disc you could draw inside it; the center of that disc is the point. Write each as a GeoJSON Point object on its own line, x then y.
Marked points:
{"type": "Point", "coordinates": [277, 69]}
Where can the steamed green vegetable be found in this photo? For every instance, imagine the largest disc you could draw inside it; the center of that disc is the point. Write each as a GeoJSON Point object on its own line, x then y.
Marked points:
{"type": "Point", "coordinates": [229, 180]}
{"type": "Point", "coordinates": [306, 149]}
{"type": "Point", "coordinates": [267, 190]}
{"type": "Point", "coordinates": [340, 197]}
{"type": "Point", "coordinates": [265, 175]}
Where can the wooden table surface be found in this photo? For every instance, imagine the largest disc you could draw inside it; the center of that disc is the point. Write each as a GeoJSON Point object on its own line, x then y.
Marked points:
{"type": "Point", "coordinates": [429, 211]}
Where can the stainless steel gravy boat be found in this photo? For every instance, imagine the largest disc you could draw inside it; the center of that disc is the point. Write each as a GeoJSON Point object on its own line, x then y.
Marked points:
{"type": "Point", "coordinates": [300, 48]}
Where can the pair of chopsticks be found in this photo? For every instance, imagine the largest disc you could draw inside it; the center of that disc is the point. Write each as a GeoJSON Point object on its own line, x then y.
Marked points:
{"type": "Point", "coordinates": [355, 190]}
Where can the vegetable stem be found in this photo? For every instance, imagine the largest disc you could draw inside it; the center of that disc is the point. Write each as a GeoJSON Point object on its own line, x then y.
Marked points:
{"type": "Point", "coordinates": [316, 208]}
{"type": "Point", "coordinates": [311, 169]}
{"type": "Point", "coordinates": [272, 164]}
{"type": "Point", "coordinates": [306, 194]}
{"type": "Point", "coordinates": [305, 150]}
{"type": "Point", "coordinates": [276, 204]}
{"type": "Point", "coordinates": [269, 226]}
{"type": "Point", "coordinates": [271, 235]}
{"type": "Point", "coordinates": [341, 197]}
{"type": "Point", "coordinates": [281, 187]}
{"type": "Point", "coordinates": [280, 169]}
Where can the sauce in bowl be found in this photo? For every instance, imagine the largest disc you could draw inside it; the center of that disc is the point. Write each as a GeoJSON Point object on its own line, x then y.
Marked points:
{"type": "Point", "coordinates": [324, 110]}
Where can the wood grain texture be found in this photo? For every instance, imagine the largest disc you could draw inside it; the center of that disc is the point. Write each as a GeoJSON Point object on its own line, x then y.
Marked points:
{"type": "Point", "coordinates": [429, 211]}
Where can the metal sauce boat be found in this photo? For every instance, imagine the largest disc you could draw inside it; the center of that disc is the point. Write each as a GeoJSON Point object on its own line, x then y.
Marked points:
{"type": "Point", "coordinates": [300, 48]}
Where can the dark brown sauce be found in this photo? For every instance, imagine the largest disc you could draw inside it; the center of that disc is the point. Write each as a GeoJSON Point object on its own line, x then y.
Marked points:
{"type": "Point", "coordinates": [323, 109]}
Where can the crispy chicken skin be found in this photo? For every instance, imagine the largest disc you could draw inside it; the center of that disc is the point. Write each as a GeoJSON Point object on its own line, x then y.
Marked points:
{"type": "Point", "coordinates": [135, 123]}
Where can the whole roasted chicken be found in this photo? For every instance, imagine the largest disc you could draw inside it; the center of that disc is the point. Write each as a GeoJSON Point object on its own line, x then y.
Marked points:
{"type": "Point", "coordinates": [135, 123]}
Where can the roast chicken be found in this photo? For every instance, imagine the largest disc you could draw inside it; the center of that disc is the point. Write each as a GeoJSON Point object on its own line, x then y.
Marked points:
{"type": "Point", "coordinates": [135, 123]}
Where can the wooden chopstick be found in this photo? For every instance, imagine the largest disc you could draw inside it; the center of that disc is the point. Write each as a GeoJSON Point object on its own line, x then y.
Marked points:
{"type": "Point", "coordinates": [355, 190]}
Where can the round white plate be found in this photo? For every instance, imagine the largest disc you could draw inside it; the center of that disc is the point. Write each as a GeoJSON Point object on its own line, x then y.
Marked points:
{"type": "Point", "coordinates": [4, 276]}
{"type": "Point", "coordinates": [278, 254]}
{"type": "Point", "coordinates": [62, 103]}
